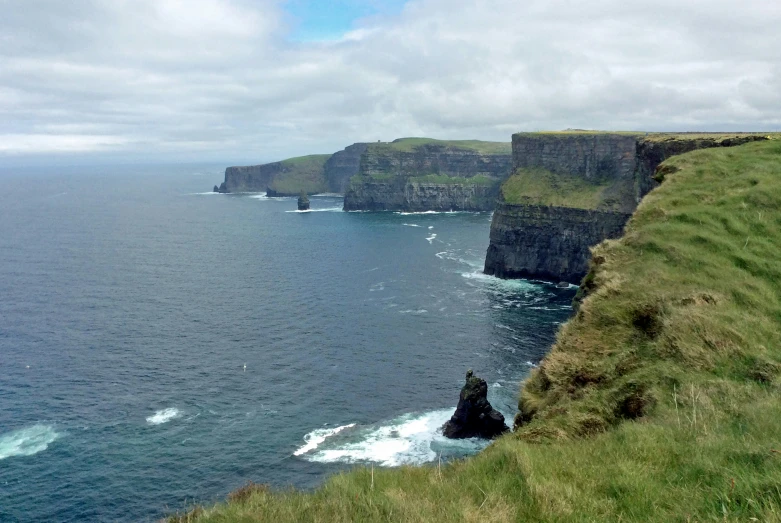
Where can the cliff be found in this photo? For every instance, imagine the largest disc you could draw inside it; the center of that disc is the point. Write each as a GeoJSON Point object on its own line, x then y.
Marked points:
{"type": "Point", "coordinates": [342, 166]}
{"type": "Point", "coordinates": [570, 191]}
{"type": "Point", "coordinates": [420, 174]}
{"type": "Point", "coordinates": [312, 174]}
{"type": "Point", "coordinates": [286, 178]}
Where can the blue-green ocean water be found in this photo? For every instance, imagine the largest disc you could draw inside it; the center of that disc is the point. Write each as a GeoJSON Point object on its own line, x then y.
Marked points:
{"type": "Point", "coordinates": [130, 305]}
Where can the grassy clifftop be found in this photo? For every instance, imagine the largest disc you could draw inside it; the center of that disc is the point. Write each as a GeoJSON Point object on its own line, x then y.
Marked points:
{"type": "Point", "coordinates": [658, 401]}
{"type": "Point", "coordinates": [411, 144]}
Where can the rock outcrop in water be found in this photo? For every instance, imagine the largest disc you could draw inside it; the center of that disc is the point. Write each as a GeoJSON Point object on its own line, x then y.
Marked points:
{"type": "Point", "coordinates": [303, 202]}
{"type": "Point", "coordinates": [474, 416]}
{"type": "Point", "coordinates": [570, 191]}
{"type": "Point", "coordinates": [418, 174]}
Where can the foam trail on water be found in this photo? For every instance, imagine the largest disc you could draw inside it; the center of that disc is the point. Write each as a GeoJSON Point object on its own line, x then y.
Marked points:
{"type": "Point", "coordinates": [163, 416]}
{"type": "Point", "coordinates": [328, 209]}
{"type": "Point", "coordinates": [316, 437]}
{"type": "Point", "coordinates": [431, 238]}
{"type": "Point", "coordinates": [409, 439]}
{"type": "Point", "coordinates": [411, 224]}
{"type": "Point", "coordinates": [27, 442]}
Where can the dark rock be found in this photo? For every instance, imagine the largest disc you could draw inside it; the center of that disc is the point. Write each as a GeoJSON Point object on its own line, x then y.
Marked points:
{"type": "Point", "coordinates": [216, 189]}
{"type": "Point", "coordinates": [222, 189]}
{"type": "Point", "coordinates": [548, 243]}
{"type": "Point", "coordinates": [342, 166]}
{"type": "Point", "coordinates": [474, 416]}
{"type": "Point", "coordinates": [303, 202]}
{"type": "Point", "coordinates": [563, 285]}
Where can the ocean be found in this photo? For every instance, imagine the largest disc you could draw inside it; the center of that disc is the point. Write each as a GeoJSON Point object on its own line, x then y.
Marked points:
{"type": "Point", "coordinates": [162, 345]}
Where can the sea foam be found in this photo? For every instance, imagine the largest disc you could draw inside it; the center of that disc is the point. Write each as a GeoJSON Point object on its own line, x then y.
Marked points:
{"type": "Point", "coordinates": [410, 439]}
{"type": "Point", "coordinates": [27, 442]}
{"type": "Point", "coordinates": [163, 416]}
{"type": "Point", "coordinates": [316, 437]}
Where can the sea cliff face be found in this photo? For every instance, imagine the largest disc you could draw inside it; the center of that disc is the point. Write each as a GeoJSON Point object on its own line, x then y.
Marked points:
{"type": "Point", "coordinates": [411, 196]}
{"type": "Point", "coordinates": [250, 178]}
{"type": "Point", "coordinates": [311, 174]}
{"type": "Point", "coordinates": [342, 166]}
{"type": "Point", "coordinates": [539, 230]}
{"type": "Point", "coordinates": [549, 243]}
{"type": "Point", "coordinates": [429, 175]}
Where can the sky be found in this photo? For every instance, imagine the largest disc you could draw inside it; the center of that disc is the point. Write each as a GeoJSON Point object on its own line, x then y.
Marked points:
{"type": "Point", "coordinates": [250, 81]}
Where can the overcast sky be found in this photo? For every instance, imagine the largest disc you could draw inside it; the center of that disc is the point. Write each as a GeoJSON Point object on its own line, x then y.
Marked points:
{"type": "Point", "coordinates": [246, 81]}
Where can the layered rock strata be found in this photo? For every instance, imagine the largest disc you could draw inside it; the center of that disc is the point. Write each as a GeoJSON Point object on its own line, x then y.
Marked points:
{"type": "Point", "coordinates": [428, 175]}
{"type": "Point", "coordinates": [533, 238]}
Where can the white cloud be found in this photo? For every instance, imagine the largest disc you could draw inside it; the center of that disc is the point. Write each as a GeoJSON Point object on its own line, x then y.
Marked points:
{"type": "Point", "coordinates": [218, 79]}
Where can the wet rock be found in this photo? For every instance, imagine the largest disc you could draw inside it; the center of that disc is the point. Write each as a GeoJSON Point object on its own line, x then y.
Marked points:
{"type": "Point", "coordinates": [474, 416]}
{"type": "Point", "coordinates": [216, 189]}
{"type": "Point", "coordinates": [303, 202]}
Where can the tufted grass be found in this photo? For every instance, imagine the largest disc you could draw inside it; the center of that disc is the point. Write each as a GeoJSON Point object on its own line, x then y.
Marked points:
{"type": "Point", "coordinates": [659, 400]}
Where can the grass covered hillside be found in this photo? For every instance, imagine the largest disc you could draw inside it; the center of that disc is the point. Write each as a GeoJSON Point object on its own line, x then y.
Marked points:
{"type": "Point", "coordinates": [305, 173]}
{"type": "Point", "coordinates": [660, 400]}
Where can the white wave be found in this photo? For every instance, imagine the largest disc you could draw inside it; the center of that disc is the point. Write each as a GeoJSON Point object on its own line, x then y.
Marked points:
{"type": "Point", "coordinates": [526, 285]}
{"type": "Point", "coordinates": [27, 442]}
{"type": "Point", "coordinates": [261, 196]}
{"type": "Point", "coordinates": [410, 311]}
{"type": "Point", "coordinates": [377, 287]}
{"type": "Point", "coordinates": [327, 195]}
{"type": "Point", "coordinates": [203, 193]}
{"type": "Point", "coordinates": [420, 212]}
{"type": "Point", "coordinates": [316, 437]}
{"type": "Point", "coordinates": [328, 209]}
{"type": "Point", "coordinates": [409, 439]}
{"type": "Point", "coordinates": [163, 416]}
{"type": "Point", "coordinates": [430, 227]}
{"type": "Point", "coordinates": [532, 365]}
{"type": "Point", "coordinates": [431, 238]}
{"type": "Point", "coordinates": [411, 224]}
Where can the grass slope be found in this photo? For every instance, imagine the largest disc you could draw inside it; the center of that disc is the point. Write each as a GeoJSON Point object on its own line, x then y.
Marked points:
{"type": "Point", "coordinates": [660, 398]}
{"type": "Point", "coordinates": [304, 173]}
{"type": "Point", "coordinates": [542, 187]}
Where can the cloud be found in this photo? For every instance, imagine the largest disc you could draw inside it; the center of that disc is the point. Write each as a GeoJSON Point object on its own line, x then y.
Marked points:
{"type": "Point", "coordinates": [206, 79]}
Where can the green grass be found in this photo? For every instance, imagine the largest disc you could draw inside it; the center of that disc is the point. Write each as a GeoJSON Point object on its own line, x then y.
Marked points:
{"type": "Point", "coordinates": [541, 187]}
{"type": "Point", "coordinates": [411, 144]}
{"type": "Point", "coordinates": [304, 173]}
{"type": "Point", "coordinates": [659, 400]}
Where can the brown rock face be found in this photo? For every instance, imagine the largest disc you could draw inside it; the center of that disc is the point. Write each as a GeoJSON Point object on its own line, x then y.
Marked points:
{"type": "Point", "coordinates": [474, 416]}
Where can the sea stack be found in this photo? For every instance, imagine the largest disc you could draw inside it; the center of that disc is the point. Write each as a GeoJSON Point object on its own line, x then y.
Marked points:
{"type": "Point", "coordinates": [303, 202]}
{"type": "Point", "coordinates": [474, 416]}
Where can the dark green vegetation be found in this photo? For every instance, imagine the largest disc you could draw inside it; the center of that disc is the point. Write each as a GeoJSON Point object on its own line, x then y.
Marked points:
{"type": "Point", "coordinates": [304, 173]}
{"type": "Point", "coordinates": [660, 398]}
